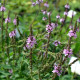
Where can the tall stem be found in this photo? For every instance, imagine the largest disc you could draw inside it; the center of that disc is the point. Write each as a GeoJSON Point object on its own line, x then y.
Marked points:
{"type": "Point", "coordinates": [7, 39]}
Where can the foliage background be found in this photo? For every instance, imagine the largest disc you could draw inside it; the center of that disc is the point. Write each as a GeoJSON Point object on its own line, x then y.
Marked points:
{"type": "Point", "coordinates": [26, 14]}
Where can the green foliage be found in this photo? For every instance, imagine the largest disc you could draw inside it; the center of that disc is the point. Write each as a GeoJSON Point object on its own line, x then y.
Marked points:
{"type": "Point", "coordinates": [21, 64]}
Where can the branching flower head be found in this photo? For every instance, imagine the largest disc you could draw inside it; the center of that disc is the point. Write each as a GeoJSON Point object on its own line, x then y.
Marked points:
{"type": "Point", "coordinates": [57, 69]}
{"type": "Point", "coordinates": [31, 41]}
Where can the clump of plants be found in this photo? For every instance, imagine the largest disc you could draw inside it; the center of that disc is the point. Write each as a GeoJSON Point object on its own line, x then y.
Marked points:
{"type": "Point", "coordinates": [37, 53]}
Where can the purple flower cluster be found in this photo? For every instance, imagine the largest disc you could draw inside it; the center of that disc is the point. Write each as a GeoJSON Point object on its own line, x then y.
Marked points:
{"type": "Point", "coordinates": [46, 4]}
{"type": "Point", "coordinates": [62, 20]}
{"type": "Point", "coordinates": [66, 13]}
{"type": "Point", "coordinates": [7, 20]}
{"type": "Point", "coordinates": [44, 12]}
{"type": "Point", "coordinates": [72, 34]}
{"type": "Point", "coordinates": [30, 42]}
{"type": "Point", "coordinates": [11, 71]}
{"type": "Point", "coordinates": [33, 3]}
{"type": "Point", "coordinates": [57, 69]}
{"type": "Point", "coordinates": [67, 6]}
{"type": "Point", "coordinates": [78, 20]}
{"type": "Point", "coordinates": [15, 22]}
{"type": "Point", "coordinates": [12, 34]}
{"type": "Point", "coordinates": [2, 8]}
{"type": "Point", "coordinates": [50, 27]}
{"type": "Point", "coordinates": [44, 18]}
{"type": "Point", "coordinates": [56, 43]}
{"type": "Point", "coordinates": [39, 1]}
{"type": "Point", "coordinates": [58, 16]}
{"type": "Point", "coordinates": [67, 52]}
{"type": "Point", "coordinates": [70, 27]}
{"type": "Point", "coordinates": [48, 13]}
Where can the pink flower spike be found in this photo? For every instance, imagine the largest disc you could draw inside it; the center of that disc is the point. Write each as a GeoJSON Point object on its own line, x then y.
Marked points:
{"type": "Point", "coordinates": [70, 27]}
{"type": "Point", "coordinates": [78, 20]}
{"type": "Point", "coordinates": [50, 27]}
{"type": "Point", "coordinates": [11, 71]}
{"type": "Point", "coordinates": [33, 3]}
{"type": "Point", "coordinates": [44, 18]}
{"type": "Point", "coordinates": [2, 8]}
{"type": "Point", "coordinates": [30, 42]}
{"type": "Point", "coordinates": [72, 34]}
{"type": "Point", "coordinates": [58, 16]}
{"type": "Point", "coordinates": [49, 13]}
{"type": "Point", "coordinates": [67, 52]}
{"type": "Point", "coordinates": [39, 1]}
{"type": "Point", "coordinates": [7, 20]}
{"type": "Point", "coordinates": [66, 13]}
{"type": "Point", "coordinates": [56, 43]}
{"type": "Point", "coordinates": [62, 20]}
{"type": "Point", "coordinates": [57, 69]}
{"type": "Point", "coordinates": [67, 6]}
{"type": "Point", "coordinates": [15, 22]}
{"type": "Point", "coordinates": [12, 34]}
{"type": "Point", "coordinates": [46, 4]}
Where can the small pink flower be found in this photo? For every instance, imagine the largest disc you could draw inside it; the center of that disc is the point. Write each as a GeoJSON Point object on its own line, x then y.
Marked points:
{"type": "Point", "coordinates": [46, 4]}
{"type": "Point", "coordinates": [78, 20]}
{"type": "Point", "coordinates": [44, 18]}
{"type": "Point", "coordinates": [56, 43]}
{"type": "Point", "coordinates": [2, 8]}
{"type": "Point", "coordinates": [67, 6]}
{"type": "Point", "coordinates": [49, 13]}
{"type": "Point", "coordinates": [66, 13]}
{"type": "Point", "coordinates": [57, 69]}
{"type": "Point", "coordinates": [67, 52]}
{"type": "Point", "coordinates": [44, 12]}
{"type": "Point", "coordinates": [12, 34]}
{"type": "Point", "coordinates": [11, 71]}
{"type": "Point", "coordinates": [72, 34]}
{"type": "Point", "coordinates": [33, 3]}
{"type": "Point", "coordinates": [24, 48]}
{"type": "Point", "coordinates": [7, 20]}
{"type": "Point", "coordinates": [62, 20]}
{"type": "Point", "coordinates": [39, 1]}
{"type": "Point", "coordinates": [58, 16]}
{"type": "Point", "coordinates": [56, 24]}
{"type": "Point", "coordinates": [50, 27]}
{"type": "Point", "coordinates": [15, 22]}
{"type": "Point", "coordinates": [70, 27]}
{"type": "Point", "coordinates": [78, 29]}
{"type": "Point", "coordinates": [30, 42]}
